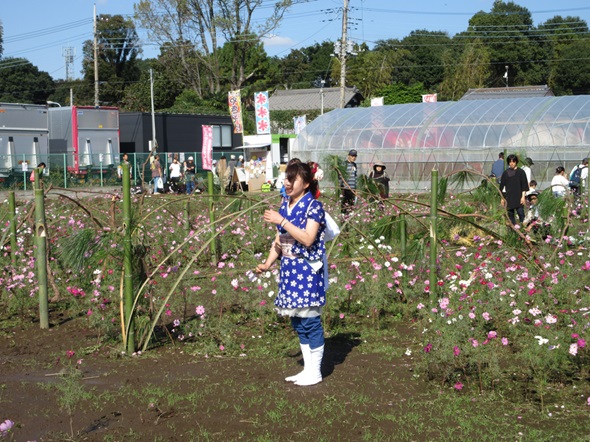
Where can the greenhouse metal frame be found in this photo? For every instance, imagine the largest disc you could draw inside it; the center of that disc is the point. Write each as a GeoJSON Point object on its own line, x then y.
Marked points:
{"type": "Point", "coordinates": [412, 139]}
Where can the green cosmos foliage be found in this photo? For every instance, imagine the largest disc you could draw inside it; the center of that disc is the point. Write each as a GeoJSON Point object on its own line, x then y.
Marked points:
{"type": "Point", "coordinates": [482, 320]}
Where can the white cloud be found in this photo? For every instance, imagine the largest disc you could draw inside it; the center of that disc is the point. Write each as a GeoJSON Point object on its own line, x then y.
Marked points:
{"type": "Point", "coordinates": [275, 40]}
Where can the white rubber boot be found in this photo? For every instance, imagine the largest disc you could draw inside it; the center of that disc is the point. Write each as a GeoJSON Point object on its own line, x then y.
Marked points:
{"type": "Point", "coordinates": [312, 374]}
{"type": "Point", "coordinates": [306, 355]}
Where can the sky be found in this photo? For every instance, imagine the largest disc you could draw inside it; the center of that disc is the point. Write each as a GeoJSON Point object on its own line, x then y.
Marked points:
{"type": "Point", "coordinates": [39, 30]}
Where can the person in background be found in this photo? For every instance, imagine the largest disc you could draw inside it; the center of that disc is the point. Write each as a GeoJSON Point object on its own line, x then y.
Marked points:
{"type": "Point", "coordinates": [583, 175]}
{"type": "Point", "coordinates": [240, 162]}
{"type": "Point", "coordinates": [124, 160]}
{"type": "Point", "coordinates": [498, 167]}
{"type": "Point", "coordinates": [299, 243]}
{"type": "Point", "coordinates": [41, 167]}
{"type": "Point", "coordinates": [532, 221]}
{"type": "Point", "coordinates": [189, 175]}
{"type": "Point", "coordinates": [231, 165]}
{"type": "Point", "coordinates": [157, 174]}
{"type": "Point", "coordinates": [175, 175]}
{"type": "Point", "coordinates": [559, 183]}
{"type": "Point", "coordinates": [514, 187]}
{"type": "Point", "coordinates": [381, 179]}
{"type": "Point", "coordinates": [348, 187]}
{"type": "Point", "coordinates": [528, 162]}
{"type": "Point", "coordinates": [532, 187]}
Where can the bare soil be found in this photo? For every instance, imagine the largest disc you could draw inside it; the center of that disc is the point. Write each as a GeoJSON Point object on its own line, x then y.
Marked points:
{"type": "Point", "coordinates": [167, 394]}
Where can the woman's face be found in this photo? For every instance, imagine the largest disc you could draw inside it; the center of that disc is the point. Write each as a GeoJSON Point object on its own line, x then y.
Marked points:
{"type": "Point", "coordinates": [512, 164]}
{"type": "Point", "coordinates": [296, 188]}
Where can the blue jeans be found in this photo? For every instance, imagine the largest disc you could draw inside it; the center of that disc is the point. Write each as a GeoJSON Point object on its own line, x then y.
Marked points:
{"type": "Point", "coordinates": [190, 184]}
{"type": "Point", "coordinates": [310, 331]}
{"type": "Point", "coordinates": [156, 179]}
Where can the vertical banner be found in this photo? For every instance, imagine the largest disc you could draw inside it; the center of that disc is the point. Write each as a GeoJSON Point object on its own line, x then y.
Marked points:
{"type": "Point", "coordinates": [429, 98]}
{"type": "Point", "coordinates": [234, 101]}
{"type": "Point", "coordinates": [262, 112]}
{"type": "Point", "coordinates": [299, 123]}
{"type": "Point", "coordinates": [207, 148]}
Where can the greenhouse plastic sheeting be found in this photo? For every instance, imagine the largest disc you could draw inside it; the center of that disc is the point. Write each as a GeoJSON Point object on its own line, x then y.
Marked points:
{"type": "Point", "coordinates": [412, 139]}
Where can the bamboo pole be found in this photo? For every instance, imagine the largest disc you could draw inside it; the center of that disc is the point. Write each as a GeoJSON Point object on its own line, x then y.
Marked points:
{"type": "Point", "coordinates": [212, 215]}
{"type": "Point", "coordinates": [12, 210]}
{"type": "Point", "coordinates": [402, 234]}
{"type": "Point", "coordinates": [433, 229]}
{"type": "Point", "coordinates": [40, 250]}
{"type": "Point", "coordinates": [127, 259]}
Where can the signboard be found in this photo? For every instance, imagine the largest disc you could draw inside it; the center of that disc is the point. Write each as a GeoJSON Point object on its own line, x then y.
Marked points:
{"type": "Point", "coordinates": [207, 148]}
{"type": "Point", "coordinates": [235, 110]}
{"type": "Point", "coordinates": [262, 113]}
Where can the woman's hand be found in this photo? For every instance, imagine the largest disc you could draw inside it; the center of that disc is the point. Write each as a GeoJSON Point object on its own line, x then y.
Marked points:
{"type": "Point", "coordinates": [262, 267]}
{"type": "Point", "coordinates": [273, 217]}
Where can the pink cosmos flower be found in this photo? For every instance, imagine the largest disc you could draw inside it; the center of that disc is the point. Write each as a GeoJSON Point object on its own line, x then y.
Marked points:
{"type": "Point", "coordinates": [428, 348]}
{"type": "Point", "coordinates": [221, 348]}
{"type": "Point", "coordinates": [458, 386]}
{"type": "Point", "coordinates": [573, 349]}
{"type": "Point", "coordinates": [486, 316]}
{"type": "Point", "coordinates": [492, 334]}
{"type": "Point", "coordinates": [341, 315]}
{"type": "Point", "coordinates": [475, 343]}
{"type": "Point", "coordinates": [456, 351]}
{"type": "Point", "coordinates": [200, 310]}
{"type": "Point", "coordinates": [581, 343]}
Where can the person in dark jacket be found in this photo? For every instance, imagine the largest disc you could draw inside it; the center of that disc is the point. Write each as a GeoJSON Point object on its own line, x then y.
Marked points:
{"type": "Point", "coordinates": [348, 187]}
{"type": "Point", "coordinates": [514, 186]}
{"type": "Point", "coordinates": [381, 179]}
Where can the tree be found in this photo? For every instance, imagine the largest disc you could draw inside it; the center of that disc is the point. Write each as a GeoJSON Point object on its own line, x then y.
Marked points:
{"type": "Point", "coordinates": [399, 93]}
{"type": "Point", "coordinates": [24, 83]}
{"type": "Point", "coordinates": [204, 23]}
{"type": "Point", "coordinates": [307, 67]}
{"type": "Point", "coordinates": [469, 68]}
{"type": "Point", "coordinates": [571, 74]}
{"type": "Point", "coordinates": [371, 71]}
{"type": "Point", "coordinates": [424, 51]}
{"type": "Point", "coordinates": [138, 95]}
{"type": "Point", "coordinates": [506, 32]}
{"type": "Point", "coordinates": [118, 49]}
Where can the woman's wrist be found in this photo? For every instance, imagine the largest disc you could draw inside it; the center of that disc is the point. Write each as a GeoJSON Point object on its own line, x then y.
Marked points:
{"type": "Point", "coordinates": [283, 222]}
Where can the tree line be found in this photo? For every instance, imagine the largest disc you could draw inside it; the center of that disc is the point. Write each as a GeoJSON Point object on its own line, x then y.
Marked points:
{"type": "Point", "coordinates": [194, 70]}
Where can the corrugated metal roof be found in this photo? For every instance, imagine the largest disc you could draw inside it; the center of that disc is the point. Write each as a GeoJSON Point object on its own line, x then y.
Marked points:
{"type": "Point", "coordinates": [507, 92]}
{"type": "Point", "coordinates": [310, 99]}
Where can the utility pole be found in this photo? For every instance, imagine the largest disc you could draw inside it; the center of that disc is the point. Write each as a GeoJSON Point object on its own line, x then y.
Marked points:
{"type": "Point", "coordinates": [154, 142]}
{"type": "Point", "coordinates": [96, 103]}
{"type": "Point", "coordinates": [343, 48]}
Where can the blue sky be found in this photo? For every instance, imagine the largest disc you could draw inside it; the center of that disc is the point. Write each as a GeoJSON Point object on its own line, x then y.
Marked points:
{"type": "Point", "coordinates": [39, 29]}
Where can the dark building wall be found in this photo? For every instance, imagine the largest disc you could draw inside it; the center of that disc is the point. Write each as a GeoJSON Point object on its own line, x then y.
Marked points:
{"type": "Point", "coordinates": [174, 132]}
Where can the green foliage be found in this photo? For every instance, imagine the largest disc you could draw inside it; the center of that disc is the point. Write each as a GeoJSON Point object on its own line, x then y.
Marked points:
{"type": "Point", "coordinates": [21, 82]}
{"type": "Point", "coordinates": [398, 93]}
{"type": "Point", "coordinates": [117, 60]}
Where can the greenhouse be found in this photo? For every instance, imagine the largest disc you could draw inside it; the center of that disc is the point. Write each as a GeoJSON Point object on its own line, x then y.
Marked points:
{"type": "Point", "coordinates": [412, 139]}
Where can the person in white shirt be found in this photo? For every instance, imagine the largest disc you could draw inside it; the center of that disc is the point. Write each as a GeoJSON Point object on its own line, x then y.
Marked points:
{"type": "Point", "coordinates": [583, 175]}
{"type": "Point", "coordinates": [528, 162]}
{"type": "Point", "coordinates": [174, 175]}
{"type": "Point", "coordinates": [559, 183]}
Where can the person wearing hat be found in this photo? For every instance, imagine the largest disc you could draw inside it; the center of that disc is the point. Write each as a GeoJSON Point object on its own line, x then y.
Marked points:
{"type": "Point", "coordinates": [582, 176]}
{"type": "Point", "coordinates": [532, 221]}
{"type": "Point", "coordinates": [189, 174]}
{"type": "Point", "coordinates": [528, 162]}
{"type": "Point", "coordinates": [381, 179]}
{"type": "Point", "coordinates": [348, 186]}
{"type": "Point", "coordinates": [240, 161]}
